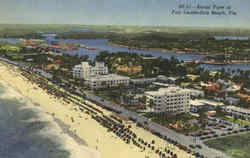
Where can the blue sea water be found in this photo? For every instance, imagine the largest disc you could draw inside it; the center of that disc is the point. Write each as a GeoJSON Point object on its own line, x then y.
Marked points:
{"type": "Point", "coordinates": [20, 131]}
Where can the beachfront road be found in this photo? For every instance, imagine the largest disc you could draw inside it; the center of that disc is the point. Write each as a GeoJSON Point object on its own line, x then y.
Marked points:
{"type": "Point", "coordinates": [182, 139]}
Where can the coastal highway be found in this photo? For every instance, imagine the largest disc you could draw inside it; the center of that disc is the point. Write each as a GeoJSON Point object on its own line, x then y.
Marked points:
{"type": "Point", "coordinates": [182, 139]}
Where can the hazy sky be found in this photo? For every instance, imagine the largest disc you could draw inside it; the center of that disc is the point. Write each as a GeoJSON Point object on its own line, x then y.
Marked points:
{"type": "Point", "coordinates": [121, 12]}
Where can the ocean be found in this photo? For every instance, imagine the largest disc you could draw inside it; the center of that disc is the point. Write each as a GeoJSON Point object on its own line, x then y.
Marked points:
{"type": "Point", "coordinates": [28, 132]}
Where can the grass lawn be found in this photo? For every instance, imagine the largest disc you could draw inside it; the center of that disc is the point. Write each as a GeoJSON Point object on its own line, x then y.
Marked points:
{"type": "Point", "coordinates": [185, 84]}
{"type": "Point", "coordinates": [238, 121]}
{"type": "Point", "coordinates": [192, 77]}
{"type": "Point", "coordinates": [247, 90]}
{"type": "Point", "coordinates": [236, 146]}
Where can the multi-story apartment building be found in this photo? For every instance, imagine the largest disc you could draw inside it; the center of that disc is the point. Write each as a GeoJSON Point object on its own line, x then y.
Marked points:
{"type": "Point", "coordinates": [172, 99]}
{"type": "Point", "coordinates": [237, 111]}
{"type": "Point", "coordinates": [107, 81]}
{"type": "Point", "coordinates": [84, 70]}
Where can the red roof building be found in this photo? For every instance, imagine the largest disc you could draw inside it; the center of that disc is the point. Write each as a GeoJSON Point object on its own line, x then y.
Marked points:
{"type": "Point", "coordinates": [58, 61]}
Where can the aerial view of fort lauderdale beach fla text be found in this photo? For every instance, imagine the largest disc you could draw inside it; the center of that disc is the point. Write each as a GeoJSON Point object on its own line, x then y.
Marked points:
{"type": "Point", "coordinates": [125, 79]}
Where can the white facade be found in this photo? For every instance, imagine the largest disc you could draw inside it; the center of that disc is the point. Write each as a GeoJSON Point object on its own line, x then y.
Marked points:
{"type": "Point", "coordinates": [84, 70]}
{"type": "Point", "coordinates": [237, 111]}
{"type": "Point", "coordinates": [107, 81]}
{"type": "Point", "coordinates": [196, 93]}
{"type": "Point", "coordinates": [143, 80]}
{"type": "Point", "coordinates": [195, 105]}
{"type": "Point", "coordinates": [172, 99]}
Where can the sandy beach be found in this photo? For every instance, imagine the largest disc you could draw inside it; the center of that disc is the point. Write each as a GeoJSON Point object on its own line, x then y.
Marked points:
{"type": "Point", "coordinates": [100, 142]}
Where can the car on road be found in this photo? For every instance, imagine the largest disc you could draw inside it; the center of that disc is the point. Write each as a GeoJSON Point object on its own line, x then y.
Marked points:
{"type": "Point", "coordinates": [246, 126]}
{"type": "Point", "coordinates": [199, 146]}
{"type": "Point", "coordinates": [192, 146]}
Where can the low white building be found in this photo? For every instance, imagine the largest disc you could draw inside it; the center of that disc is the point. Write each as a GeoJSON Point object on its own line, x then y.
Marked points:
{"type": "Point", "coordinates": [166, 79]}
{"type": "Point", "coordinates": [237, 111]}
{"type": "Point", "coordinates": [172, 99]}
{"type": "Point", "coordinates": [42, 73]}
{"type": "Point", "coordinates": [107, 81]}
{"type": "Point", "coordinates": [196, 105]}
{"type": "Point", "coordinates": [143, 80]}
{"type": "Point", "coordinates": [196, 93]}
{"type": "Point", "coordinates": [84, 70]}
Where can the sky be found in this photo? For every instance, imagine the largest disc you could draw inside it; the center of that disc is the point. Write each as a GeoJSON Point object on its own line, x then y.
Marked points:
{"type": "Point", "coordinates": [121, 12]}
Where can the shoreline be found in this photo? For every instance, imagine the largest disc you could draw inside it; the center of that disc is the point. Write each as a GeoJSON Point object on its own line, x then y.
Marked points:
{"type": "Point", "coordinates": [158, 49]}
{"type": "Point", "coordinates": [180, 52]}
{"type": "Point", "coordinates": [54, 131]}
{"type": "Point", "coordinates": [106, 144]}
{"type": "Point", "coordinates": [76, 146]}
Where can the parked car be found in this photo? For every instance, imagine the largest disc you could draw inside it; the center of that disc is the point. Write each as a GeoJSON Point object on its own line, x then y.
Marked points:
{"type": "Point", "coordinates": [191, 146]}
{"type": "Point", "coordinates": [198, 146]}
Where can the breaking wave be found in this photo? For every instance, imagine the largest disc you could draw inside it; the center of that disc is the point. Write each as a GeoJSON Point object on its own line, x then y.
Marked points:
{"type": "Point", "coordinates": [28, 132]}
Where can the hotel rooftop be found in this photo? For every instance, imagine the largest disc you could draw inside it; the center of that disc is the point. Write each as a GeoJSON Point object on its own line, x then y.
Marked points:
{"type": "Point", "coordinates": [164, 91]}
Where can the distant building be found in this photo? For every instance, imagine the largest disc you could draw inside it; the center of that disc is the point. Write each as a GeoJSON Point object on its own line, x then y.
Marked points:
{"type": "Point", "coordinates": [143, 80]}
{"type": "Point", "coordinates": [232, 100]}
{"type": "Point", "coordinates": [29, 59]}
{"type": "Point", "coordinates": [172, 99]}
{"type": "Point", "coordinates": [231, 38]}
{"type": "Point", "coordinates": [43, 73]}
{"type": "Point", "coordinates": [228, 86]}
{"type": "Point", "coordinates": [163, 85]}
{"type": "Point", "coordinates": [149, 58]}
{"type": "Point", "coordinates": [237, 111]}
{"type": "Point", "coordinates": [166, 79]}
{"type": "Point", "coordinates": [107, 81]}
{"type": "Point", "coordinates": [196, 105]}
{"type": "Point", "coordinates": [84, 70]}
{"type": "Point", "coordinates": [196, 93]}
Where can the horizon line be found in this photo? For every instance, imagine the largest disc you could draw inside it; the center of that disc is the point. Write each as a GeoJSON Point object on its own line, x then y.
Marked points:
{"type": "Point", "coordinates": [121, 25]}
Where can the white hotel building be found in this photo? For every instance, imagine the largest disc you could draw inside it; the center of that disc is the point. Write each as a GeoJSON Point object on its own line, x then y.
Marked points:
{"type": "Point", "coordinates": [173, 99]}
{"type": "Point", "coordinates": [84, 70]}
{"type": "Point", "coordinates": [97, 76]}
{"type": "Point", "coordinates": [107, 81]}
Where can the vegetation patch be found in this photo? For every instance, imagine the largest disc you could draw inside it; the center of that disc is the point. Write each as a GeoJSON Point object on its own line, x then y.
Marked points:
{"type": "Point", "coordinates": [183, 123]}
{"type": "Point", "coordinates": [236, 146]}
